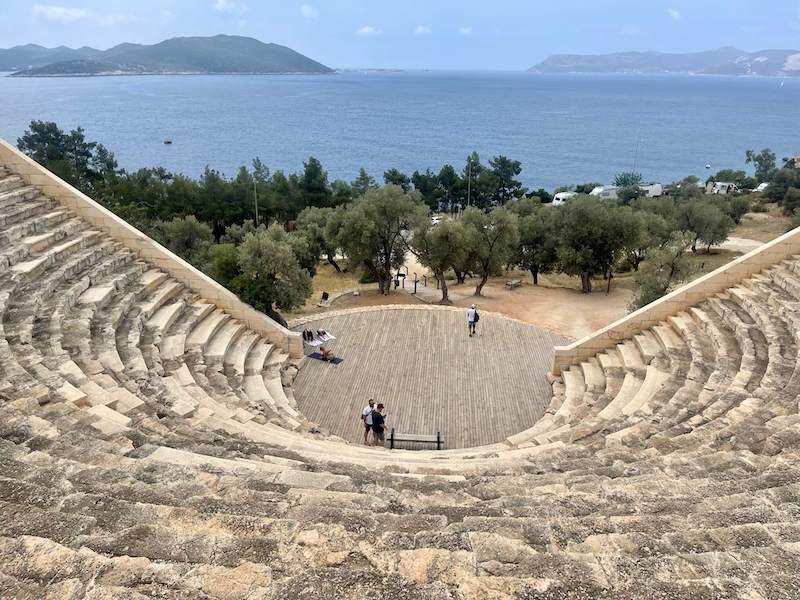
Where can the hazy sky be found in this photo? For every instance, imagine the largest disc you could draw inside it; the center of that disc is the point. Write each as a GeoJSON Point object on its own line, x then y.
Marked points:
{"type": "Point", "coordinates": [458, 34]}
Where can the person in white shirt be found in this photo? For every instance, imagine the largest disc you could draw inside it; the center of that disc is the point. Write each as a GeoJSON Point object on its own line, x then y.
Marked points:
{"type": "Point", "coordinates": [472, 319]}
{"type": "Point", "coordinates": [366, 418]}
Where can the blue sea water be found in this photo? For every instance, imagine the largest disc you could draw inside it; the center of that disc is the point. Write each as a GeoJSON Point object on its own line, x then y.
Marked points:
{"type": "Point", "coordinates": [563, 128]}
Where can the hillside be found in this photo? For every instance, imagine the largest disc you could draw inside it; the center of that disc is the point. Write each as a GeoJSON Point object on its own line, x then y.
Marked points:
{"type": "Point", "coordinates": [723, 61]}
{"type": "Point", "coordinates": [218, 54]}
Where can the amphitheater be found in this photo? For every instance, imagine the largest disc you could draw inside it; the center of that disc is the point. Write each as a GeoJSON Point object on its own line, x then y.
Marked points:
{"type": "Point", "coordinates": [152, 447]}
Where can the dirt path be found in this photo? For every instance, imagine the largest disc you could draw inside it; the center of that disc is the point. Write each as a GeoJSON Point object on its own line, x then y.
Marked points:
{"type": "Point", "coordinates": [561, 310]}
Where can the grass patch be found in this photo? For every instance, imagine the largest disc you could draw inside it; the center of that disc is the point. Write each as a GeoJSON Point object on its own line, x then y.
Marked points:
{"type": "Point", "coordinates": [763, 226]}
{"type": "Point", "coordinates": [703, 263]}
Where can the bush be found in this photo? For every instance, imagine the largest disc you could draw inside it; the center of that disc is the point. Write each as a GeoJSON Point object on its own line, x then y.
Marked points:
{"type": "Point", "coordinates": [759, 207]}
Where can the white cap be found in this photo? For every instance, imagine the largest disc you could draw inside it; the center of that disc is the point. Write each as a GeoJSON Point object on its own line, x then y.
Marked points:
{"type": "Point", "coordinates": [473, 306]}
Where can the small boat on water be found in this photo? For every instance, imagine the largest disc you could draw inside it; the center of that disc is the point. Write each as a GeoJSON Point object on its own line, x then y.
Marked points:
{"type": "Point", "coordinates": [167, 142]}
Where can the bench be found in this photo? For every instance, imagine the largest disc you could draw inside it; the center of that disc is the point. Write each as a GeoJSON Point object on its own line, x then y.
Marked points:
{"type": "Point", "coordinates": [514, 283]}
{"type": "Point", "coordinates": [395, 438]}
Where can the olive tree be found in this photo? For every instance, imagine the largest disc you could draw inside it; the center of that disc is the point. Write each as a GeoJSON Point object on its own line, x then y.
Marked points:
{"type": "Point", "coordinates": [270, 274]}
{"type": "Point", "coordinates": [495, 237]}
{"type": "Point", "coordinates": [371, 230]}
{"type": "Point", "coordinates": [592, 235]}
{"type": "Point", "coordinates": [441, 248]}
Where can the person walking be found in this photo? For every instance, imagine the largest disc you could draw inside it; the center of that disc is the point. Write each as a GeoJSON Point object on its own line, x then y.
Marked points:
{"type": "Point", "coordinates": [472, 319]}
{"type": "Point", "coordinates": [366, 419]}
{"type": "Point", "coordinates": [378, 425]}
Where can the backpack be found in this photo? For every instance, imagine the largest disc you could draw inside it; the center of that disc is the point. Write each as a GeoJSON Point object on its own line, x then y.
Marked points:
{"type": "Point", "coordinates": [477, 317]}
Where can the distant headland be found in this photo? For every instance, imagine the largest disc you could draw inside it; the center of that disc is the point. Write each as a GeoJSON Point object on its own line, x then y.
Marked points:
{"type": "Point", "coordinates": [219, 54]}
{"type": "Point", "coordinates": [722, 61]}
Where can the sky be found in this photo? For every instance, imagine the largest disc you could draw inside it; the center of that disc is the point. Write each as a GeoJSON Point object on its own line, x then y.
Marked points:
{"type": "Point", "coordinates": [416, 34]}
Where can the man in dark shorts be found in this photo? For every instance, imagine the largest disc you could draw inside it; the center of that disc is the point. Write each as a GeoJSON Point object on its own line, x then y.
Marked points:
{"type": "Point", "coordinates": [378, 423]}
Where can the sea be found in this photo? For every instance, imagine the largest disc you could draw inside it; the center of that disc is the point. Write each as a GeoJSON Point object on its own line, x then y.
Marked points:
{"type": "Point", "coordinates": [564, 129]}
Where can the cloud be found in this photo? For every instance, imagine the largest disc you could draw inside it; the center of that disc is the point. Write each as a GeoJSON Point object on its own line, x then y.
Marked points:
{"type": "Point", "coordinates": [66, 14]}
{"type": "Point", "coordinates": [369, 31]}
{"type": "Point", "coordinates": [422, 30]}
{"type": "Point", "coordinates": [674, 14]}
{"type": "Point", "coordinates": [308, 11]}
{"type": "Point", "coordinates": [465, 30]}
{"type": "Point", "coordinates": [631, 30]}
{"type": "Point", "coordinates": [229, 6]}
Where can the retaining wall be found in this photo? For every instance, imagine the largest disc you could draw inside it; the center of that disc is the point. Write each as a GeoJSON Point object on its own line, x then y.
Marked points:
{"type": "Point", "coordinates": [104, 220]}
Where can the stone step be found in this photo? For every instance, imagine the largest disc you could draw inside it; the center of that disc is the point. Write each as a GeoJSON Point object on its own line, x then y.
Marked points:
{"type": "Point", "coordinates": [33, 268]}
{"type": "Point", "coordinates": [163, 294]}
{"type": "Point", "coordinates": [27, 210]}
{"type": "Point", "coordinates": [203, 333]}
{"type": "Point", "coordinates": [165, 316]}
{"type": "Point", "coordinates": [629, 356]}
{"type": "Point", "coordinates": [239, 352]}
{"type": "Point", "coordinates": [593, 375]}
{"type": "Point", "coordinates": [225, 336]}
{"type": "Point", "coordinates": [648, 346]}
{"type": "Point", "coordinates": [630, 387]}
{"type": "Point", "coordinates": [257, 358]}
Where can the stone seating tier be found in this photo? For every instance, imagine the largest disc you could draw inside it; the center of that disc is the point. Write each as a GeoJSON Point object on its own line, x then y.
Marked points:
{"type": "Point", "coordinates": [150, 448]}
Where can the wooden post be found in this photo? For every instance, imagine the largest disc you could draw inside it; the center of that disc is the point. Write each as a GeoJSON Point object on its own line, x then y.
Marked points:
{"type": "Point", "coordinates": [391, 439]}
{"type": "Point", "coordinates": [438, 440]}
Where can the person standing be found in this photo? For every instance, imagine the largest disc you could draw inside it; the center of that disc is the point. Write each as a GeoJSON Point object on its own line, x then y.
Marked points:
{"type": "Point", "coordinates": [366, 419]}
{"type": "Point", "coordinates": [378, 425]}
{"type": "Point", "coordinates": [472, 319]}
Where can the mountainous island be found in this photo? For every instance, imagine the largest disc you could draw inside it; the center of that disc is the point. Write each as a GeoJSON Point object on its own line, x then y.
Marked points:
{"type": "Point", "coordinates": [220, 54]}
{"type": "Point", "coordinates": [723, 61]}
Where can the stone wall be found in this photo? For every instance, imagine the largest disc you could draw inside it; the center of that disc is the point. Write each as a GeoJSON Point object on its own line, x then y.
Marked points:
{"type": "Point", "coordinates": [698, 290]}
{"type": "Point", "coordinates": [130, 237]}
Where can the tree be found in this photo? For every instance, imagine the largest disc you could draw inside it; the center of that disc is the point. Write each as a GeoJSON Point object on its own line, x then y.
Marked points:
{"type": "Point", "coordinates": [342, 193]}
{"type": "Point", "coordinates": [313, 222]}
{"type": "Point", "coordinates": [629, 193]}
{"type": "Point", "coordinates": [778, 188]}
{"type": "Point", "coordinates": [735, 207]}
{"type": "Point", "coordinates": [363, 183]}
{"type": "Point", "coordinates": [223, 264]}
{"type": "Point", "coordinates": [236, 233]}
{"type": "Point", "coordinates": [538, 239]}
{"type": "Point", "coordinates": [791, 201]}
{"type": "Point", "coordinates": [584, 188]}
{"type": "Point", "coordinates": [765, 163]}
{"type": "Point", "coordinates": [371, 230]}
{"type": "Point", "coordinates": [541, 194]}
{"type": "Point", "coordinates": [440, 248]}
{"type": "Point", "coordinates": [448, 184]}
{"type": "Point", "coordinates": [737, 176]}
{"type": "Point", "coordinates": [495, 238]}
{"type": "Point", "coordinates": [68, 155]}
{"type": "Point", "coordinates": [187, 237]}
{"type": "Point", "coordinates": [628, 179]}
{"type": "Point", "coordinates": [314, 189]}
{"type": "Point", "coordinates": [704, 222]}
{"type": "Point", "coordinates": [592, 234]}
{"type": "Point", "coordinates": [664, 266]}
{"type": "Point", "coordinates": [270, 274]}
{"type": "Point", "coordinates": [396, 177]}
{"type": "Point", "coordinates": [505, 186]}
{"type": "Point", "coordinates": [653, 231]}
{"type": "Point", "coordinates": [427, 184]}
{"type": "Point", "coordinates": [472, 171]}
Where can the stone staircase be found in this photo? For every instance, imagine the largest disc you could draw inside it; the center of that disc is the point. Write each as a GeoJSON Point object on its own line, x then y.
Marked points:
{"type": "Point", "coordinates": [149, 449]}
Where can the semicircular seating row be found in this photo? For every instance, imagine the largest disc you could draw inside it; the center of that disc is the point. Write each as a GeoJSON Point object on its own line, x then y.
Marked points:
{"type": "Point", "coordinates": [149, 449]}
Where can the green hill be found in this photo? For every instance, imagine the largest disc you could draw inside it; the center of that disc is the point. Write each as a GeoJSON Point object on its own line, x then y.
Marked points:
{"type": "Point", "coordinates": [219, 54]}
